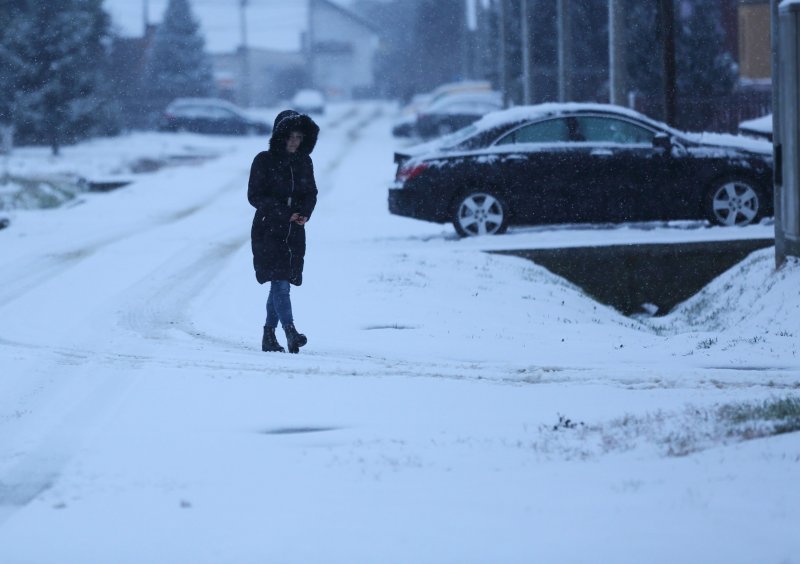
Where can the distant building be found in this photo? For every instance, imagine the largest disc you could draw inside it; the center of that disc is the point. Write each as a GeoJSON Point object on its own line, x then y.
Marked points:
{"type": "Point", "coordinates": [258, 77]}
{"type": "Point", "coordinates": [335, 55]}
{"type": "Point", "coordinates": [341, 49]}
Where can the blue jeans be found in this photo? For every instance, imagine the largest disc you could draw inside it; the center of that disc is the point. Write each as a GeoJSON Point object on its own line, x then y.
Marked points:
{"type": "Point", "coordinates": [279, 305]}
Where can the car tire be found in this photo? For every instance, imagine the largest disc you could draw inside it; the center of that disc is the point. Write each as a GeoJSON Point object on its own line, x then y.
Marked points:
{"type": "Point", "coordinates": [734, 201]}
{"type": "Point", "coordinates": [480, 213]}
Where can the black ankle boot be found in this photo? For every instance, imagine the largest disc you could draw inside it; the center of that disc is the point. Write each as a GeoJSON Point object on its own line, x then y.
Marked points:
{"type": "Point", "coordinates": [294, 340]}
{"type": "Point", "coordinates": [269, 343]}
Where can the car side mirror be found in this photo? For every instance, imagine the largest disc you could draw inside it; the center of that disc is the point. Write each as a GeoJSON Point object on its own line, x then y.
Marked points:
{"type": "Point", "coordinates": [662, 141]}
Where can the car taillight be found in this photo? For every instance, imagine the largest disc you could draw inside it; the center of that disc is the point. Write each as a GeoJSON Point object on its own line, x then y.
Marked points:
{"type": "Point", "coordinates": [408, 171]}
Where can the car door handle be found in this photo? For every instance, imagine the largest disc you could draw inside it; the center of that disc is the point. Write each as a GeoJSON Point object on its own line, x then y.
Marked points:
{"type": "Point", "coordinates": [602, 152]}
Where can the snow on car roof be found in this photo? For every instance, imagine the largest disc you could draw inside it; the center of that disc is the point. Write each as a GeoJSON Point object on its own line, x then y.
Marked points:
{"type": "Point", "coordinates": [527, 113]}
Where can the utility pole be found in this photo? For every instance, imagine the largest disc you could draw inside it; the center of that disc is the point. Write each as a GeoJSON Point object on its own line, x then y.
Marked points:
{"type": "Point", "coordinates": [616, 53]}
{"type": "Point", "coordinates": [244, 56]}
{"type": "Point", "coordinates": [666, 15]}
{"type": "Point", "coordinates": [527, 95]}
{"type": "Point", "coordinates": [777, 145]}
{"type": "Point", "coordinates": [467, 36]}
{"type": "Point", "coordinates": [501, 59]}
{"type": "Point", "coordinates": [564, 50]}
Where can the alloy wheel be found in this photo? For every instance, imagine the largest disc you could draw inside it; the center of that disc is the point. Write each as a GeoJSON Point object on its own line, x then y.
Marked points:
{"type": "Point", "coordinates": [480, 214]}
{"type": "Point", "coordinates": [735, 203]}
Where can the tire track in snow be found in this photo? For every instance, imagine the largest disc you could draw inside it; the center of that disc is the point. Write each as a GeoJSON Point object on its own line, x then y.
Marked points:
{"type": "Point", "coordinates": [158, 305]}
{"type": "Point", "coordinates": [26, 275]}
{"type": "Point", "coordinates": [36, 450]}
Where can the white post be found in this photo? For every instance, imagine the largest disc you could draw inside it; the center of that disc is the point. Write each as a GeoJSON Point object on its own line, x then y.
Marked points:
{"type": "Point", "coordinates": [616, 52]}
{"type": "Point", "coordinates": [501, 59]}
{"type": "Point", "coordinates": [787, 153]}
{"type": "Point", "coordinates": [526, 54]}
{"type": "Point", "coordinates": [564, 50]}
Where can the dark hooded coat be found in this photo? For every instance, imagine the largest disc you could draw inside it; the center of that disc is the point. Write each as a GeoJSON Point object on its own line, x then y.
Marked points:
{"type": "Point", "coordinates": [282, 184]}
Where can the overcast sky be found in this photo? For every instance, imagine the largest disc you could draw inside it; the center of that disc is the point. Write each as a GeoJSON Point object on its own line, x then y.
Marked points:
{"type": "Point", "coordinates": [271, 24]}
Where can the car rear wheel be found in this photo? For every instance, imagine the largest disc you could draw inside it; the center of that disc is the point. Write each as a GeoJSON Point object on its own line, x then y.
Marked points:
{"type": "Point", "coordinates": [734, 202]}
{"type": "Point", "coordinates": [480, 213]}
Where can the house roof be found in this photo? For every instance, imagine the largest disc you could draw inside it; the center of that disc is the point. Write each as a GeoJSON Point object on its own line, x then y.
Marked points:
{"type": "Point", "coordinates": [354, 17]}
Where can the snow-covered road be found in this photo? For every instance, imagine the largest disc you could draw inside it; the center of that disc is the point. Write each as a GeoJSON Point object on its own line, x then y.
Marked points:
{"type": "Point", "coordinates": [139, 421]}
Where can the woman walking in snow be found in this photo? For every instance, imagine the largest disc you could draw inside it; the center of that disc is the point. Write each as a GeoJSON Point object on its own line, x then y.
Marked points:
{"type": "Point", "coordinates": [284, 193]}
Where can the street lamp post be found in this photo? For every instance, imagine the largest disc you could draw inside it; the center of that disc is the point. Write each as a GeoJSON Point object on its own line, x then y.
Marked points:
{"type": "Point", "coordinates": [244, 55]}
{"type": "Point", "coordinates": [616, 53]}
{"type": "Point", "coordinates": [786, 60]}
{"type": "Point", "coordinates": [526, 54]}
{"type": "Point", "coordinates": [501, 59]}
{"type": "Point", "coordinates": [564, 50]}
{"type": "Point", "coordinates": [666, 13]}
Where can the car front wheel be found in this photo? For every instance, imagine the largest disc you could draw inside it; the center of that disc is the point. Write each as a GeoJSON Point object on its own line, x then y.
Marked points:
{"type": "Point", "coordinates": [734, 202]}
{"type": "Point", "coordinates": [480, 213]}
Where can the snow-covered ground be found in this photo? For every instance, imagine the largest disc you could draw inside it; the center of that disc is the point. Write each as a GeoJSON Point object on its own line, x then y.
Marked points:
{"type": "Point", "coordinates": [451, 405]}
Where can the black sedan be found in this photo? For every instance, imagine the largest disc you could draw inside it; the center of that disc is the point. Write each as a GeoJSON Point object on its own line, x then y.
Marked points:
{"type": "Point", "coordinates": [210, 115]}
{"type": "Point", "coordinates": [574, 163]}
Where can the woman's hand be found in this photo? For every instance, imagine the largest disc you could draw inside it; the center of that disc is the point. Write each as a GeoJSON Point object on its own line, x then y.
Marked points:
{"type": "Point", "coordinates": [298, 219]}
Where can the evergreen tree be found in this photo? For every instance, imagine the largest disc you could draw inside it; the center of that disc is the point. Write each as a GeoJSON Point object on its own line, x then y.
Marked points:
{"type": "Point", "coordinates": [177, 65]}
{"type": "Point", "coordinates": [10, 63]}
{"type": "Point", "coordinates": [704, 69]}
{"type": "Point", "coordinates": [58, 54]}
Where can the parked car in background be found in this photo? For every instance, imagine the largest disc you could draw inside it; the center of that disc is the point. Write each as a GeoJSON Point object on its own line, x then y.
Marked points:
{"type": "Point", "coordinates": [406, 123]}
{"type": "Point", "coordinates": [760, 127]}
{"type": "Point", "coordinates": [452, 112]}
{"type": "Point", "coordinates": [309, 101]}
{"type": "Point", "coordinates": [460, 87]}
{"type": "Point", "coordinates": [210, 115]}
{"type": "Point", "coordinates": [572, 163]}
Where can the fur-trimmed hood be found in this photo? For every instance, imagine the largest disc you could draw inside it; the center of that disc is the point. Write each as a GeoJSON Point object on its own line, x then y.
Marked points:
{"type": "Point", "coordinates": [288, 121]}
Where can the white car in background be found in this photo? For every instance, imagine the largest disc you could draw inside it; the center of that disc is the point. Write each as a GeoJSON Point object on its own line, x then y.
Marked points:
{"type": "Point", "coordinates": [309, 101]}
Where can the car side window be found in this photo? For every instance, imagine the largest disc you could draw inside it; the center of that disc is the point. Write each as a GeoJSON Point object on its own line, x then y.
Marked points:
{"type": "Point", "coordinates": [596, 129]}
{"type": "Point", "coordinates": [549, 131]}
